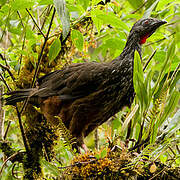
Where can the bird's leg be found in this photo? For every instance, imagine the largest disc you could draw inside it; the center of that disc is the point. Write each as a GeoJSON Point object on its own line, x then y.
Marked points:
{"type": "Point", "coordinates": [77, 127]}
{"type": "Point", "coordinates": [85, 148]}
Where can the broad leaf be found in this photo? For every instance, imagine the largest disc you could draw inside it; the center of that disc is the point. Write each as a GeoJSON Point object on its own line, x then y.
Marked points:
{"type": "Point", "coordinates": [84, 3]}
{"type": "Point", "coordinates": [77, 39]}
{"type": "Point", "coordinates": [63, 13]}
{"type": "Point", "coordinates": [50, 168]}
{"type": "Point", "coordinates": [112, 20]}
{"type": "Point", "coordinates": [98, 22]}
{"type": "Point", "coordinates": [135, 3]}
{"type": "Point", "coordinates": [22, 4]}
{"type": "Point", "coordinates": [54, 50]}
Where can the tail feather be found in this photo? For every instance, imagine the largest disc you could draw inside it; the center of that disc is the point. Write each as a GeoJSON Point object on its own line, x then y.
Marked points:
{"type": "Point", "coordinates": [17, 96]}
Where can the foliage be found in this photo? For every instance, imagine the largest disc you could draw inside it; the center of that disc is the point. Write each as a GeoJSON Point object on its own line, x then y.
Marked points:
{"type": "Point", "coordinates": [31, 40]}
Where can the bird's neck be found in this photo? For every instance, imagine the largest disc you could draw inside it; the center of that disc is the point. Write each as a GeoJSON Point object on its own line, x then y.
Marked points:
{"type": "Point", "coordinates": [132, 44]}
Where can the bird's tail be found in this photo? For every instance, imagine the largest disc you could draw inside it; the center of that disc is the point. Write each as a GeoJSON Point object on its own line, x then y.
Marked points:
{"type": "Point", "coordinates": [19, 95]}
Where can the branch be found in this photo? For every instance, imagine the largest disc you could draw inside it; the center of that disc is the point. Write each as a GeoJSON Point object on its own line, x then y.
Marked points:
{"type": "Point", "coordinates": [19, 118]}
{"type": "Point", "coordinates": [7, 129]}
{"type": "Point", "coordinates": [21, 53]}
{"type": "Point", "coordinates": [8, 70]}
{"type": "Point", "coordinates": [35, 23]}
{"type": "Point", "coordinates": [4, 59]}
{"type": "Point", "coordinates": [49, 8]}
{"type": "Point", "coordinates": [39, 60]}
{"type": "Point", "coordinates": [23, 42]}
{"type": "Point", "coordinates": [145, 66]}
{"type": "Point", "coordinates": [20, 19]}
{"type": "Point", "coordinates": [140, 7]}
{"type": "Point", "coordinates": [159, 40]}
{"type": "Point", "coordinates": [4, 81]}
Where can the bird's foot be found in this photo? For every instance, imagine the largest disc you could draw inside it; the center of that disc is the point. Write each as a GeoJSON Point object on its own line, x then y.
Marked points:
{"type": "Point", "coordinates": [84, 147]}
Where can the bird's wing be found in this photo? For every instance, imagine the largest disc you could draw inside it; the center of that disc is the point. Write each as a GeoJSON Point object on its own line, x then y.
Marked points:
{"type": "Point", "coordinates": [75, 81]}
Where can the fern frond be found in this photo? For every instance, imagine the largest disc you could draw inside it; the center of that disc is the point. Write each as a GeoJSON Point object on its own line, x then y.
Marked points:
{"type": "Point", "coordinates": [66, 136]}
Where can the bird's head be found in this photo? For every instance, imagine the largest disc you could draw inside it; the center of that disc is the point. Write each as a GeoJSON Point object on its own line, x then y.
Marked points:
{"type": "Point", "coordinates": [144, 28]}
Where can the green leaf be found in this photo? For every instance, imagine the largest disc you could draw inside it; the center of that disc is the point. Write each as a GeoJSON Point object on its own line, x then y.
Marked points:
{"type": "Point", "coordinates": [2, 2]}
{"type": "Point", "coordinates": [95, 2]}
{"type": "Point", "coordinates": [163, 158]}
{"type": "Point", "coordinates": [169, 54]}
{"type": "Point", "coordinates": [135, 3]}
{"type": "Point", "coordinates": [173, 125]}
{"type": "Point", "coordinates": [173, 101]}
{"type": "Point", "coordinates": [148, 12]}
{"type": "Point", "coordinates": [138, 68]}
{"type": "Point", "coordinates": [45, 2]}
{"type": "Point", "coordinates": [154, 132]}
{"type": "Point", "coordinates": [50, 168]}
{"type": "Point", "coordinates": [137, 72]}
{"type": "Point", "coordinates": [97, 156]}
{"type": "Point", "coordinates": [148, 85]}
{"type": "Point", "coordinates": [84, 3]}
{"type": "Point", "coordinates": [63, 13]}
{"type": "Point", "coordinates": [7, 174]}
{"type": "Point", "coordinates": [112, 20]}
{"type": "Point", "coordinates": [77, 39]}
{"type": "Point", "coordinates": [138, 81]}
{"type": "Point", "coordinates": [54, 50]}
{"type": "Point", "coordinates": [163, 3]}
{"type": "Point", "coordinates": [22, 4]}
{"type": "Point", "coordinates": [98, 22]}
{"type": "Point", "coordinates": [103, 153]}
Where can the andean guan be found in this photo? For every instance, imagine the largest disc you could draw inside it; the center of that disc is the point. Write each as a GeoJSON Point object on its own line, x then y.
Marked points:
{"type": "Point", "coordinates": [85, 95]}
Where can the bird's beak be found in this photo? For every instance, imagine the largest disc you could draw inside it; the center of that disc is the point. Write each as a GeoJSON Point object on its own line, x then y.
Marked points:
{"type": "Point", "coordinates": [155, 25]}
{"type": "Point", "coordinates": [158, 23]}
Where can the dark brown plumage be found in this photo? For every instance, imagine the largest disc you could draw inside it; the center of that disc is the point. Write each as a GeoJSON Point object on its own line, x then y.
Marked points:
{"type": "Point", "coordinates": [85, 95]}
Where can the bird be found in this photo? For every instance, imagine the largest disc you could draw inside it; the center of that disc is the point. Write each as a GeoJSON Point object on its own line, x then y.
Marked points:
{"type": "Point", "coordinates": [85, 95]}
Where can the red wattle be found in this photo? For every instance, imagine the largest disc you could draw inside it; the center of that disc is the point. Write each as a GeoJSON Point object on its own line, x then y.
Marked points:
{"type": "Point", "coordinates": [143, 39]}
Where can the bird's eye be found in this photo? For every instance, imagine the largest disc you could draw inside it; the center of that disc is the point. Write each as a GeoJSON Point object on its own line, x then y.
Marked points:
{"type": "Point", "coordinates": [146, 22]}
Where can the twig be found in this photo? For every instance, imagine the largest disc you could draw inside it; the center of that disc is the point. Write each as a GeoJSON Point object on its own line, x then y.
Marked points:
{"type": "Point", "coordinates": [35, 23]}
{"type": "Point", "coordinates": [41, 53]}
{"type": "Point", "coordinates": [8, 70]}
{"type": "Point", "coordinates": [4, 59]}
{"type": "Point", "coordinates": [39, 61]}
{"type": "Point", "coordinates": [22, 130]}
{"type": "Point", "coordinates": [9, 158]}
{"type": "Point", "coordinates": [4, 81]}
{"type": "Point", "coordinates": [19, 118]}
{"type": "Point", "coordinates": [140, 7]}
{"type": "Point", "coordinates": [21, 54]}
{"type": "Point", "coordinates": [46, 15]}
{"type": "Point", "coordinates": [7, 129]}
{"type": "Point", "coordinates": [13, 173]}
{"type": "Point", "coordinates": [139, 145]}
{"type": "Point", "coordinates": [172, 151]}
{"type": "Point", "coordinates": [20, 59]}
{"type": "Point", "coordinates": [7, 20]}
{"type": "Point", "coordinates": [177, 147]}
{"type": "Point", "coordinates": [174, 74]}
{"type": "Point", "coordinates": [159, 40]}
{"type": "Point", "coordinates": [145, 66]}
{"type": "Point", "coordinates": [20, 18]}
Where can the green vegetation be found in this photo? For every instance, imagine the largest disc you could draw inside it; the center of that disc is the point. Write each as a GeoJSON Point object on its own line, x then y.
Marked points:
{"type": "Point", "coordinates": [142, 141]}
